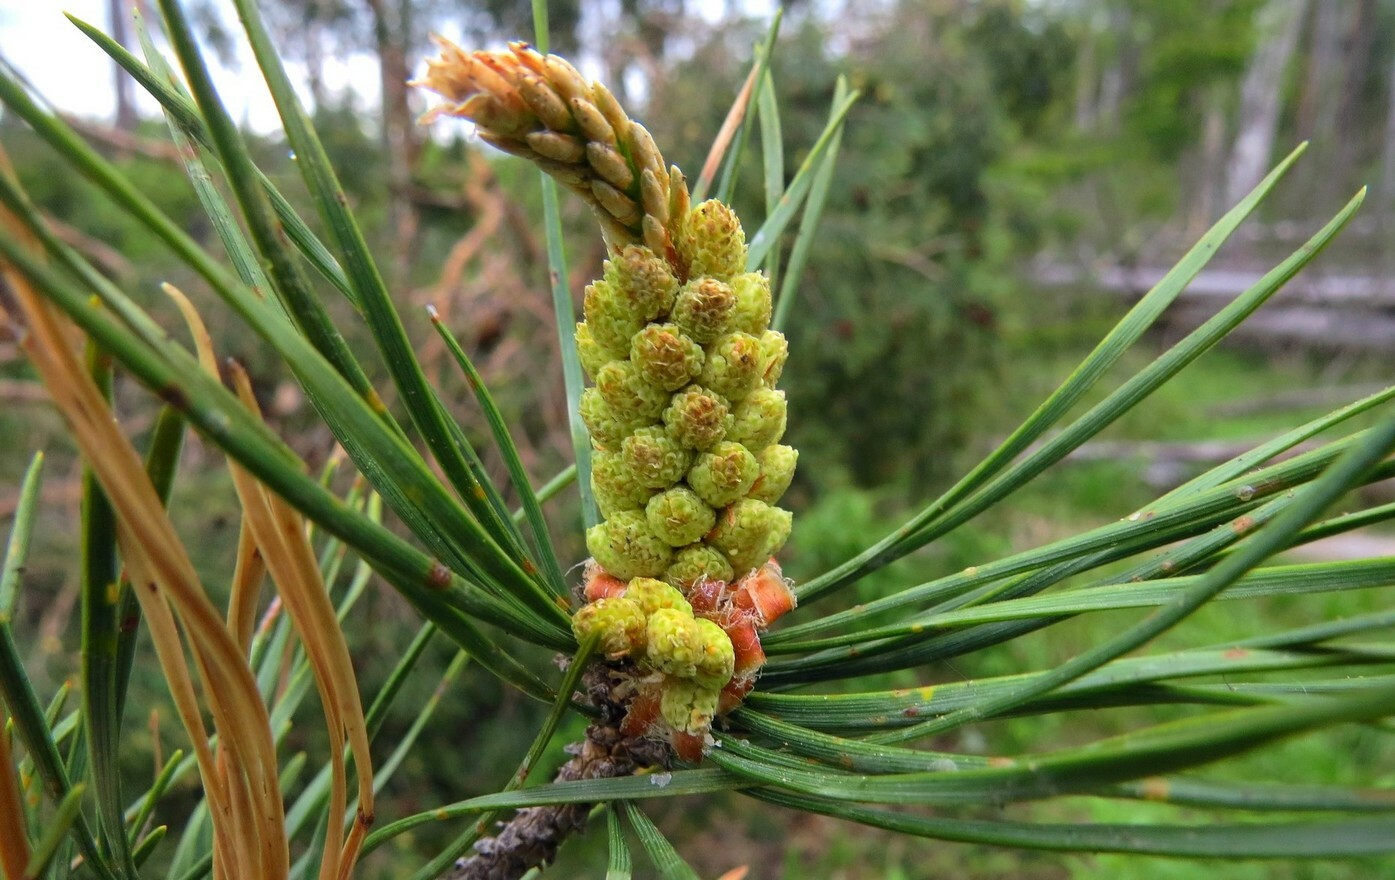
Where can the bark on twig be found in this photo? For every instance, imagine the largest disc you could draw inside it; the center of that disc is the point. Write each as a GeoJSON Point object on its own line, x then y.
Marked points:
{"type": "Point", "coordinates": [532, 837]}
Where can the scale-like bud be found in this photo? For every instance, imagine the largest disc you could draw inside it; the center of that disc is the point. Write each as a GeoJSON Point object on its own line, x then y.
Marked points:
{"type": "Point", "coordinates": [695, 563]}
{"type": "Point", "coordinates": [613, 322]}
{"type": "Point", "coordinates": [679, 516]}
{"type": "Point", "coordinates": [619, 621]}
{"type": "Point", "coordinates": [781, 526]}
{"type": "Point", "coordinates": [592, 354]}
{"type": "Point", "coordinates": [705, 308]}
{"type": "Point", "coordinates": [733, 366]}
{"type": "Point", "coordinates": [774, 351]}
{"type": "Point", "coordinates": [759, 420]}
{"type": "Point", "coordinates": [711, 241]}
{"type": "Point", "coordinates": [689, 707]}
{"type": "Point", "coordinates": [724, 474]}
{"type": "Point", "coordinates": [628, 394]}
{"type": "Point", "coordinates": [673, 642]}
{"type": "Point", "coordinates": [748, 533]}
{"type": "Point", "coordinates": [752, 312]}
{"type": "Point", "coordinates": [697, 418]}
{"type": "Point", "coordinates": [624, 546]}
{"type": "Point", "coordinates": [665, 356]}
{"type": "Point", "coordinates": [608, 428]}
{"type": "Point", "coordinates": [644, 279]}
{"type": "Point", "coordinates": [614, 484]}
{"type": "Point", "coordinates": [651, 595]}
{"type": "Point", "coordinates": [776, 471]}
{"type": "Point", "coordinates": [718, 657]}
{"type": "Point", "coordinates": [654, 458]}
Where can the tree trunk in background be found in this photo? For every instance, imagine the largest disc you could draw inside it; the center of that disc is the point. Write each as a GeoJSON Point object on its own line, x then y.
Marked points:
{"type": "Point", "coordinates": [1386, 203]}
{"type": "Point", "coordinates": [119, 17]}
{"type": "Point", "coordinates": [1361, 36]}
{"type": "Point", "coordinates": [641, 43]}
{"type": "Point", "coordinates": [1086, 80]}
{"type": "Point", "coordinates": [313, 39]}
{"type": "Point", "coordinates": [1317, 108]}
{"type": "Point", "coordinates": [1210, 176]}
{"type": "Point", "coordinates": [391, 31]}
{"type": "Point", "coordinates": [1115, 80]}
{"type": "Point", "coordinates": [1277, 26]}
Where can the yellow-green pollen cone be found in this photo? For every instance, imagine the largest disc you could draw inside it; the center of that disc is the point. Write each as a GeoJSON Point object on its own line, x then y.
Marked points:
{"type": "Point", "coordinates": [687, 467]}
{"type": "Point", "coordinates": [684, 415]}
{"type": "Point", "coordinates": [621, 623]}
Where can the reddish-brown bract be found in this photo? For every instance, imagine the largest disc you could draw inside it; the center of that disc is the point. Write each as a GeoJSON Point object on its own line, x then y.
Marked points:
{"type": "Point", "coordinates": [745, 641]}
{"type": "Point", "coordinates": [734, 693]}
{"type": "Point", "coordinates": [764, 593]}
{"type": "Point", "coordinates": [643, 713]}
{"type": "Point", "coordinates": [706, 596]}
{"type": "Point", "coordinates": [687, 746]}
{"type": "Point", "coordinates": [742, 610]}
{"type": "Point", "coordinates": [600, 585]}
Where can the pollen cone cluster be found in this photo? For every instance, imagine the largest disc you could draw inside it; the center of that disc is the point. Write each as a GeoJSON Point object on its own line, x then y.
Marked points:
{"type": "Point", "coordinates": [686, 468]}
{"type": "Point", "coordinates": [684, 414]}
{"type": "Point", "coordinates": [695, 653]}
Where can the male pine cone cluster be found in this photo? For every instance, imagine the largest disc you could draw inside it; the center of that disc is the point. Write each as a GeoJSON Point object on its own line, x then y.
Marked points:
{"type": "Point", "coordinates": [686, 469]}
{"type": "Point", "coordinates": [684, 415]}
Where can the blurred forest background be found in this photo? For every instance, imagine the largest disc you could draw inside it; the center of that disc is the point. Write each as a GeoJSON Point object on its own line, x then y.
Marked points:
{"type": "Point", "coordinates": [1014, 174]}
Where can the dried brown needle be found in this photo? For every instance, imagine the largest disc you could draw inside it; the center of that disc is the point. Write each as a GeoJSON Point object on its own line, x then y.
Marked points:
{"type": "Point", "coordinates": [241, 779]}
{"type": "Point", "coordinates": [279, 536]}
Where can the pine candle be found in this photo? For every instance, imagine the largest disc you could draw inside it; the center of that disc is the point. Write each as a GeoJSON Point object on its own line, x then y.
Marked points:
{"type": "Point", "coordinates": [684, 414]}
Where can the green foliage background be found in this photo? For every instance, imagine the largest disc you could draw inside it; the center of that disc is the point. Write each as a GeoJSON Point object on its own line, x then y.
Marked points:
{"type": "Point", "coordinates": [920, 340]}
